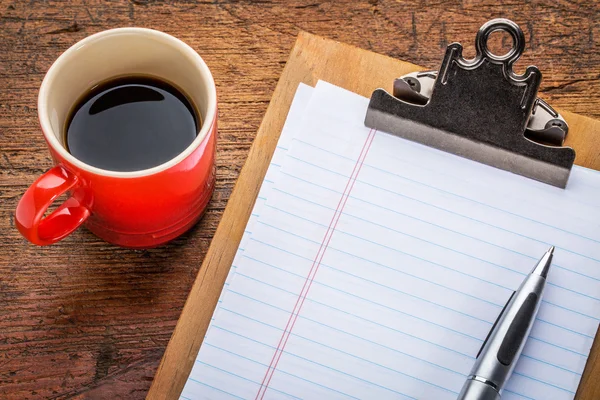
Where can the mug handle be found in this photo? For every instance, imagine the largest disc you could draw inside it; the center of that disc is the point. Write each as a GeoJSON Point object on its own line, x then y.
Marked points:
{"type": "Point", "coordinates": [29, 215]}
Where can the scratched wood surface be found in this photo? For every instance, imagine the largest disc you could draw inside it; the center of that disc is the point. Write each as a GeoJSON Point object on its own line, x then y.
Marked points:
{"type": "Point", "coordinates": [312, 58]}
{"type": "Point", "coordinates": [83, 319]}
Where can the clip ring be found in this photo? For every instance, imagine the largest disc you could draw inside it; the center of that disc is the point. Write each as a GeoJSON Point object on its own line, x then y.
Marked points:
{"type": "Point", "coordinates": [500, 24]}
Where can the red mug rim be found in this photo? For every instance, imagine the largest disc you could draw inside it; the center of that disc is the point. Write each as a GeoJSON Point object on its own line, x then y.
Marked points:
{"type": "Point", "coordinates": [209, 118]}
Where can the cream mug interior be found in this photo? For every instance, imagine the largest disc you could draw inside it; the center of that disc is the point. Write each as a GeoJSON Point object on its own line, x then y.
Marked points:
{"type": "Point", "coordinates": [121, 52]}
{"type": "Point", "coordinates": [140, 209]}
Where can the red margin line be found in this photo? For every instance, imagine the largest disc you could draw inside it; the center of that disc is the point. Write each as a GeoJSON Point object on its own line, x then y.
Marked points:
{"type": "Point", "coordinates": [315, 267]}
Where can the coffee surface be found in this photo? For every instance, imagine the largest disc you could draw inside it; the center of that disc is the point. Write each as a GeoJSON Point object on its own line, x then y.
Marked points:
{"type": "Point", "coordinates": [130, 124]}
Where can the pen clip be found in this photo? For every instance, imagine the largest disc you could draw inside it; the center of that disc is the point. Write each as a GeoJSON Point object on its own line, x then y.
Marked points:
{"type": "Point", "coordinates": [495, 323]}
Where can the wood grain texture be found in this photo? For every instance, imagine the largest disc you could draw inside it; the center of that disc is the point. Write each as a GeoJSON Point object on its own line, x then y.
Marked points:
{"type": "Point", "coordinates": [311, 59]}
{"type": "Point", "coordinates": [84, 319]}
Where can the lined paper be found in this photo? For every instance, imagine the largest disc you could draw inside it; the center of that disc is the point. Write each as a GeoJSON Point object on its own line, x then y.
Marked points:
{"type": "Point", "coordinates": [294, 118]}
{"type": "Point", "coordinates": [377, 266]}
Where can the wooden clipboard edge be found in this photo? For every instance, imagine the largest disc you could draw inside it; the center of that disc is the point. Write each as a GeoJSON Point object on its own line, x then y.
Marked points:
{"type": "Point", "coordinates": [182, 349]}
{"type": "Point", "coordinates": [307, 63]}
{"type": "Point", "coordinates": [584, 137]}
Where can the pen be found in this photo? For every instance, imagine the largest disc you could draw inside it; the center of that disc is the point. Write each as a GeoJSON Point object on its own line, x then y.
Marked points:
{"type": "Point", "coordinates": [501, 349]}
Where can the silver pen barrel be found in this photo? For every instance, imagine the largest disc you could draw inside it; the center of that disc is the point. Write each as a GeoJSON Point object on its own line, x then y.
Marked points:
{"type": "Point", "coordinates": [500, 351]}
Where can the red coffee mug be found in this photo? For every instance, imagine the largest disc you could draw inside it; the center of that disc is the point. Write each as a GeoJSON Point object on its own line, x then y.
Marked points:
{"type": "Point", "coordinates": [137, 209]}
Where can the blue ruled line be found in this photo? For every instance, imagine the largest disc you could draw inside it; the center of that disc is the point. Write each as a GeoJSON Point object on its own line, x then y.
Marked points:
{"type": "Point", "coordinates": [565, 328]}
{"type": "Point", "coordinates": [278, 370]}
{"type": "Point", "coordinates": [390, 248]}
{"type": "Point", "coordinates": [319, 364]}
{"type": "Point", "coordinates": [519, 394]}
{"type": "Point", "coordinates": [441, 208]}
{"type": "Point", "coordinates": [544, 382]}
{"type": "Point", "coordinates": [379, 265]}
{"type": "Point", "coordinates": [458, 178]}
{"type": "Point", "coordinates": [558, 326]}
{"type": "Point", "coordinates": [392, 289]}
{"type": "Point", "coordinates": [401, 312]}
{"type": "Point", "coordinates": [335, 329]}
{"type": "Point", "coordinates": [570, 310]}
{"type": "Point", "coordinates": [531, 337]}
{"type": "Point", "coordinates": [423, 167]}
{"type": "Point", "coordinates": [393, 230]}
{"type": "Point", "coordinates": [556, 345]}
{"type": "Point", "coordinates": [402, 252]}
{"type": "Point", "coordinates": [470, 357]}
{"type": "Point", "coordinates": [404, 273]}
{"type": "Point", "coordinates": [377, 344]}
{"type": "Point", "coordinates": [370, 301]}
{"type": "Point", "coordinates": [551, 364]}
{"type": "Point", "coordinates": [399, 251]}
{"type": "Point", "coordinates": [379, 244]}
{"type": "Point", "coordinates": [440, 226]}
{"type": "Point", "coordinates": [216, 388]}
{"type": "Point", "coordinates": [352, 355]}
{"type": "Point", "coordinates": [246, 379]}
{"type": "Point", "coordinates": [447, 192]}
{"type": "Point", "coordinates": [316, 363]}
{"type": "Point", "coordinates": [295, 294]}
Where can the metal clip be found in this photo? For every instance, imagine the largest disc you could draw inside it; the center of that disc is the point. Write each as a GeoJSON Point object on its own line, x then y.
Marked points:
{"type": "Point", "coordinates": [481, 110]}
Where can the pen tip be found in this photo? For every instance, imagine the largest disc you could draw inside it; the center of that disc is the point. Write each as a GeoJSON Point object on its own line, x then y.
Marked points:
{"type": "Point", "coordinates": [543, 266]}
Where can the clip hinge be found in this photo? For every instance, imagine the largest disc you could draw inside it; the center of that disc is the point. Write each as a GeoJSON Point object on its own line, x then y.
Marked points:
{"type": "Point", "coordinates": [481, 110]}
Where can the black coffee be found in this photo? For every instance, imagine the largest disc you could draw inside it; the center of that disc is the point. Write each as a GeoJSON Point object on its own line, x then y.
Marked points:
{"type": "Point", "coordinates": [130, 124]}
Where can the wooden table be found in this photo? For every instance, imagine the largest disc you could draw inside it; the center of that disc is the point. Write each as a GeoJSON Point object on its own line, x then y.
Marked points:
{"type": "Point", "coordinates": [84, 319]}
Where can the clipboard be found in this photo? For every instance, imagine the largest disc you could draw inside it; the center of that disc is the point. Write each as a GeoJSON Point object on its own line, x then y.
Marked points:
{"type": "Point", "coordinates": [312, 58]}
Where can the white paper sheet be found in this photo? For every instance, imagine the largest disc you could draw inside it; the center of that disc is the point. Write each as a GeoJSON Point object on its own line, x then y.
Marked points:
{"type": "Point", "coordinates": [377, 266]}
{"type": "Point", "coordinates": [294, 118]}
